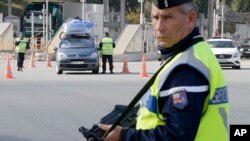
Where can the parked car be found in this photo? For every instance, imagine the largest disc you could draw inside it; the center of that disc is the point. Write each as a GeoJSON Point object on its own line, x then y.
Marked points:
{"type": "Point", "coordinates": [77, 52]}
{"type": "Point", "coordinates": [245, 48]}
{"type": "Point", "coordinates": [226, 52]}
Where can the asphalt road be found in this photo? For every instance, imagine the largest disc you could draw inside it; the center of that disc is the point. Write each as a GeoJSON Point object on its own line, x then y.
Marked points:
{"type": "Point", "coordinates": [38, 105]}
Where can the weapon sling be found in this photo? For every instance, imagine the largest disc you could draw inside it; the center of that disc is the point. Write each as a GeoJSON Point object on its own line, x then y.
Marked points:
{"type": "Point", "coordinates": [147, 86]}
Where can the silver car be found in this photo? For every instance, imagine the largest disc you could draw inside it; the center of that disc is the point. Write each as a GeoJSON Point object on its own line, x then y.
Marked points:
{"type": "Point", "coordinates": [226, 52]}
{"type": "Point", "coordinates": [77, 52]}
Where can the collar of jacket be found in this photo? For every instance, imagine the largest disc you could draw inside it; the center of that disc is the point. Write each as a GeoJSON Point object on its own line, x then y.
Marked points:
{"type": "Point", "coordinates": [167, 52]}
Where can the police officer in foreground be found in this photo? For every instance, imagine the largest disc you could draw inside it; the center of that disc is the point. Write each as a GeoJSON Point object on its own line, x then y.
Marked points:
{"type": "Point", "coordinates": [188, 100]}
{"type": "Point", "coordinates": [106, 46]}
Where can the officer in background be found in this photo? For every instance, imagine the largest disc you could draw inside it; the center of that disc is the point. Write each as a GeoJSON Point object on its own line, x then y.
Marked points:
{"type": "Point", "coordinates": [106, 46]}
{"type": "Point", "coordinates": [188, 100]}
{"type": "Point", "coordinates": [22, 44]}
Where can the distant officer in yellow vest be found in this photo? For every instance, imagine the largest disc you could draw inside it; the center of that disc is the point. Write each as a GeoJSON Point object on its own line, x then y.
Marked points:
{"type": "Point", "coordinates": [22, 44]}
{"type": "Point", "coordinates": [106, 46]}
{"type": "Point", "coordinates": [188, 100]}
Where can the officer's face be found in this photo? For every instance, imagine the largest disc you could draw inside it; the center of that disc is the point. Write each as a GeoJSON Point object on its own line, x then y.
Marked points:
{"type": "Point", "coordinates": [171, 25]}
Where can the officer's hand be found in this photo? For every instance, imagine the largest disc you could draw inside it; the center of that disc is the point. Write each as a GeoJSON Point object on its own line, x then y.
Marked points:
{"type": "Point", "coordinates": [114, 135]}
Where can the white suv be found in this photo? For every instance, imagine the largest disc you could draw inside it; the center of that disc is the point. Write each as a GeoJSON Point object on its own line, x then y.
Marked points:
{"type": "Point", "coordinates": [226, 52]}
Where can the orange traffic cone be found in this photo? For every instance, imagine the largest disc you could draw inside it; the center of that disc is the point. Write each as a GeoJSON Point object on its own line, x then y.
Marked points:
{"type": "Point", "coordinates": [125, 65]}
{"type": "Point", "coordinates": [7, 73]}
{"type": "Point", "coordinates": [32, 61]}
{"type": "Point", "coordinates": [48, 63]}
{"type": "Point", "coordinates": [143, 69]}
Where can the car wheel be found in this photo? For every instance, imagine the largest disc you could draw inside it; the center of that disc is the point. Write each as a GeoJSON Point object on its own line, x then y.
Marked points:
{"type": "Point", "coordinates": [58, 71]}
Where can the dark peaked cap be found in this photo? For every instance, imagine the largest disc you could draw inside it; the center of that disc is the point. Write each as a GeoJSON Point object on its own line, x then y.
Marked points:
{"type": "Point", "coordinates": [162, 4]}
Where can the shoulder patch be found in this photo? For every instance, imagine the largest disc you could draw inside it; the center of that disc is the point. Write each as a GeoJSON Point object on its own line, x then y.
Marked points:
{"type": "Point", "coordinates": [180, 99]}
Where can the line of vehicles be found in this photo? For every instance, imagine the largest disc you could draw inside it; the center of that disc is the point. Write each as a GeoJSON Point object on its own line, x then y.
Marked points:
{"type": "Point", "coordinates": [227, 52]}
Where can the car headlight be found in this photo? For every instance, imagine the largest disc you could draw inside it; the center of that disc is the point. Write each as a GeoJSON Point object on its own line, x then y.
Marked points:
{"type": "Point", "coordinates": [236, 54]}
{"type": "Point", "coordinates": [61, 56]}
{"type": "Point", "coordinates": [241, 49]}
{"type": "Point", "coordinates": [93, 55]}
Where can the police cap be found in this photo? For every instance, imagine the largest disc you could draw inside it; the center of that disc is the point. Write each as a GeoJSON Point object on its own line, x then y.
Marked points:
{"type": "Point", "coordinates": [162, 4]}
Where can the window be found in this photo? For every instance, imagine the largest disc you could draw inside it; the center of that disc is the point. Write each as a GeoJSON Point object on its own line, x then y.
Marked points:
{"type": "Point", "coordinates": [222, 44]}
{"type": "Point", "coordinates": [73, 41]}
{"type": "Point", "coordinates": [246, 42]}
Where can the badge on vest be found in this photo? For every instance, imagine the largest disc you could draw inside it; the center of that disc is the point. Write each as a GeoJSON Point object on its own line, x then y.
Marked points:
{"type": "Point", "coordinates": [180, 99]}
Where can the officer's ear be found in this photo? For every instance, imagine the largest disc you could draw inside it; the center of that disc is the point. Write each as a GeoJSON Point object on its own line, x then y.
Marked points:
{"type": "Point", "coordinates": [192, 16]}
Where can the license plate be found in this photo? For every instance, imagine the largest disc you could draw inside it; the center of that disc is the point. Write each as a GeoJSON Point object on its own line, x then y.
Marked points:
{"type": "Point", "coordinates": [77, 62]}
{"type": "Point", "coordinates": [248, 49]}
{"type": "Point", "coordinates": [223, 60]}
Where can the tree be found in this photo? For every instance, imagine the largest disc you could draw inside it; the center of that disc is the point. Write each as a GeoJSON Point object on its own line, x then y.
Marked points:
{"type": "Point", "coordinates": [202, 6]}
{"type": "Point", "coordinates": [228, 2]}
{"type": "Point", "coordinates": [241, 5]}
{"type": "Point", "coordinates": [132, 17]}
{"type": "Point", "coordinates": [238, 5]}
{"type": "Point", "coordinates": [133, 6]}
{"type": "Point", "coordinates": [17, 9]}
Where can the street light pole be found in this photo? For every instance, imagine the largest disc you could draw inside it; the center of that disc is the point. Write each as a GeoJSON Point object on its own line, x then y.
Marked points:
{"type": "Point", "coordinates": [44, 11]}
{"type": "Point", "coordinates": [46, 25]}
{"type": "Point", "coordinates": [32, 30]}
{"type": "Point", "coordinates": [222, 20]}
{"type": "Point", "coordinates": [142, 25]}
{"type": "Point", "coordinates": [83, 9]}
{"type": "Point", "coordinates": [210, 18]}
{"type": "Point", "coordinates": [141, 14]}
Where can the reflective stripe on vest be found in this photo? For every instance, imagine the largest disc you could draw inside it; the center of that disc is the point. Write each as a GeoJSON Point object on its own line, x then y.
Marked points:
{"type": "Point", "coordinates": [107, 46]}
{"type": "Point", "coordinates": [22, 46]}
{"type": "Point", "coordinates": [201, 58]}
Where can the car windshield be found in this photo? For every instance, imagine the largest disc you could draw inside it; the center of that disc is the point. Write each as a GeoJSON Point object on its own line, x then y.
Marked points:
{"type": "Point", "coordinates": [76, 41]}
{"type": "Point", "coordinates": [246, 42]}
{"type": "Point", "coordinates": [222, 44]}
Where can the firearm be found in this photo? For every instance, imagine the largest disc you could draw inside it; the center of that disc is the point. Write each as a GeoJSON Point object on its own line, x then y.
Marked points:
{"type": "Point", "coordinates": [96, 134]}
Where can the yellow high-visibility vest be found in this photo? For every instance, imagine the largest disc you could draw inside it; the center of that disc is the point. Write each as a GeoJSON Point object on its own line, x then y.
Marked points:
{"type": "Point", "coordinates": [22, 46]}
{"type": "Point", "coordinates": [214, 124]}
{"type": "Point", "coordinates": [107, 46]}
